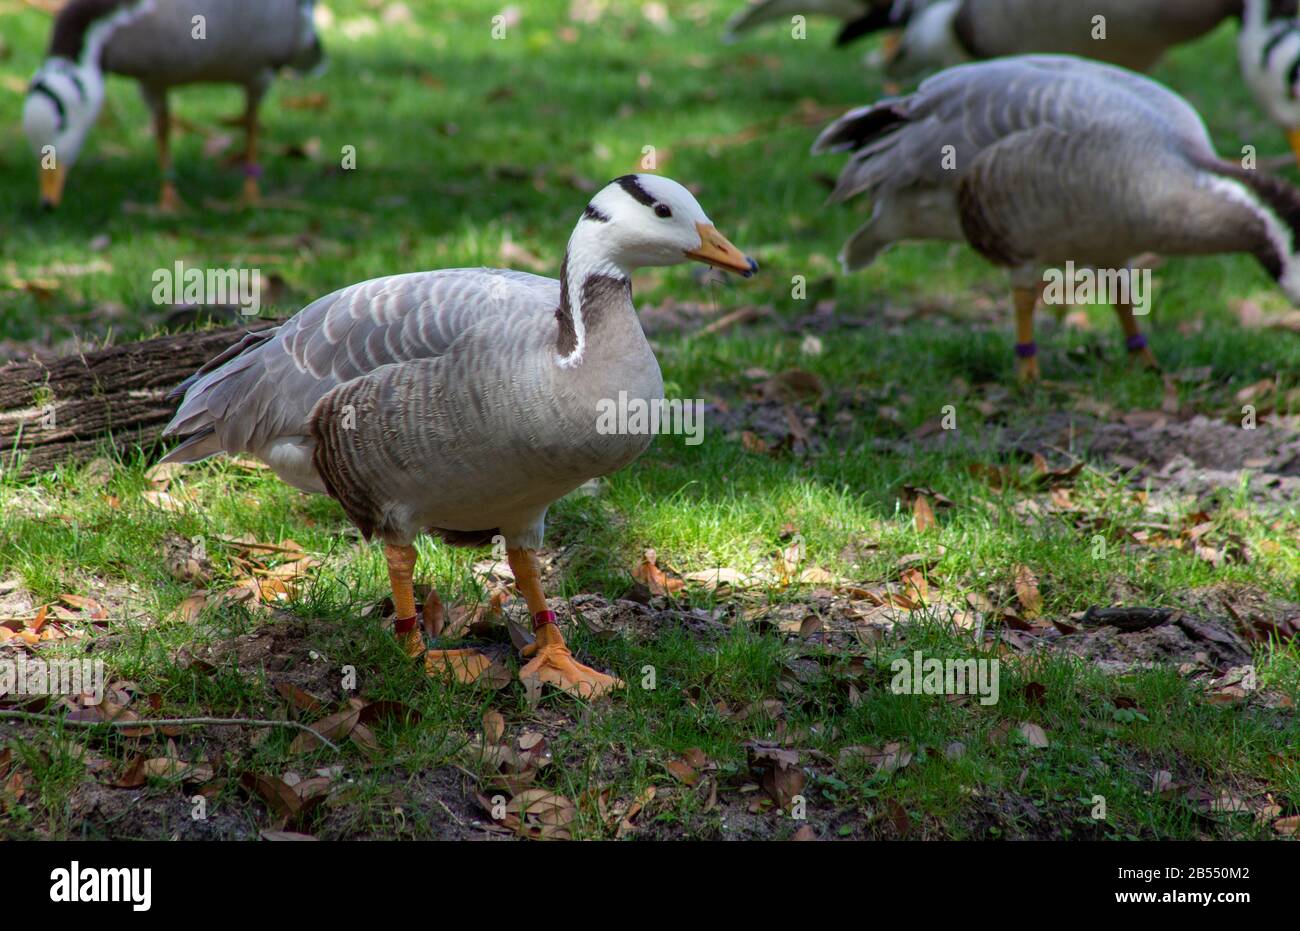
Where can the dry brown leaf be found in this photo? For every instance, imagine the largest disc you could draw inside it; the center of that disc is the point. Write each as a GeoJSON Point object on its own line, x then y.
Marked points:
{"type": "Point", "coordinates": [299, 699]}
{"type": "Point", "coordinates": [1031, 601]}
{"type": "Point", "coordinates": [683, 772]}
{"type": "Point", "coordinates": [467, 666]}
{"type": "Point", "coordinates": [713, 579]}
{"type": "Point", "coordinates": [335, 727]}
{"type": "Point", "coordinates": [494, 727]}
{"type": "Point", "coordinates": [652, 577]}
{"type": "Point", "coordinates": [164, 501]}
{"type": "Point", "coordinates": [923, 514]}
{"type": "Point", "coordinates": [189, 609]}
{"type": "Point", "coordinates": [1034, 735]}
{"type": "Point", "coordinates": [1287, 827]}
{"type": "Point", "coordinates": [278, 796]}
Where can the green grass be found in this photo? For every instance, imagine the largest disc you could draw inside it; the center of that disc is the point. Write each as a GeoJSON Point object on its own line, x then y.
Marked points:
{"type": "Point", "coordinates": [464, 141]}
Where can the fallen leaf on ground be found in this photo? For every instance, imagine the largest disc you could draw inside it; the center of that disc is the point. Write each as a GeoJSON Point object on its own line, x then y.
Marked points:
{"type": "Point", "coordinates": [467, 666]}
{"type": "Point", "coordinates": [1034, 735]}
{"type": "Point", "coordinates": [1031, 601]}
{"type": "Point", "coordinates": [652, 577]}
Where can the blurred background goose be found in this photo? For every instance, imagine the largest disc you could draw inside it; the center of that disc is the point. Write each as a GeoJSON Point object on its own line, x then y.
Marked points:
{"type": "Point", "coordinates": [1037, 161]}
{"type": "Point", "coordinates": [941, 33]}
{"type": "Point", "coordinates": [463, 402]}
{"type": "Point", "coordinates": [163, 44]}
{"type": "Point", "coordinates": [860, 17]}
{"type": "Point", "coordinates": [1269, 47]}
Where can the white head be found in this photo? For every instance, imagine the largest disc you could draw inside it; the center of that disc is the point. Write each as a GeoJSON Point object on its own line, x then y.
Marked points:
{"type": "Point", "coordinates": [67, 91]}
{"type": "Point", "coordinates": [1268, 47]}
{"type": "Point", "coordinates": [647, 220]}
{"type": "Point", "coordinates": [633, 222]}
{"type": "Point", "coordinates": [62, 103]}
{"type": "Point", "coordinates": [929, 40]}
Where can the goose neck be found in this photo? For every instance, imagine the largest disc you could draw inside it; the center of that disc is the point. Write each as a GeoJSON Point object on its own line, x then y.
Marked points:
{"type": "Point", "coordinates": [594, 286]}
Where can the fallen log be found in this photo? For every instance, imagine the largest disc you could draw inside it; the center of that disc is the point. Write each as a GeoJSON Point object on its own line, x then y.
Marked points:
{"type": "Point", "coordinates": [70, 409]}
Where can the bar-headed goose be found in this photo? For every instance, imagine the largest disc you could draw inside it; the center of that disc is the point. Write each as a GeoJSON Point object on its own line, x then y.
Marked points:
{"type": "Point", "coordinates": [462, 402]}
{"type": "Point", "coordinates": [163, 44]}
{"type": "Point", "coordinates": [941, 33]}
{"type": "Point", "coordinates": [1131, 33]}
{"type": "Point", "coordinates": [860, 17]}
{"type": "Point", "coordinates": [1042, 160]}
{"type": "Point", "coordinates": [1269, 47]}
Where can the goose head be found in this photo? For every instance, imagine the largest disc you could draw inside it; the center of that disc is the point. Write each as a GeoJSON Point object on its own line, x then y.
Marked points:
{"type": "Point", "coordinates": [639, 221]}
{"type": "Point", "coordinates": [929, 40]}
{"type": "Point", "coordinates": [1268, 47]}
{"type": "Point", "coordinates": [62, 103]}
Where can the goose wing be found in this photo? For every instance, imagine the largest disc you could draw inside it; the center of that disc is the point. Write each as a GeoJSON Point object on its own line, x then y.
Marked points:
{"type": "Point", "coordinates": [258, 396]}
{"type": "Point", "coordinates": [1014, 208]}
{"type": "Point", "coordinates": [901, 143]}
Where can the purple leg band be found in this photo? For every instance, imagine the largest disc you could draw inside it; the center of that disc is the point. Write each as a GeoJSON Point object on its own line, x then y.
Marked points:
{"type": "Point", "coordinates": [1136, 343]}
{"type": "Point", "coordinates": [252, 170]}
{"type": "Point", "coordinates": [1026, 350]}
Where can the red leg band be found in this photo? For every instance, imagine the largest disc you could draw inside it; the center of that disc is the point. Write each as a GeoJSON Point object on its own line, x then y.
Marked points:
{"type": "Point", "coordinates": [542, 618]}
{"type": "Point", "coordinates": [404, 625]}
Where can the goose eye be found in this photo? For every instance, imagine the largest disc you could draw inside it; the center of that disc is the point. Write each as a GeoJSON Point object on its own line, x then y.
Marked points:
{"type": "Point", "coordinates": [663, 210]}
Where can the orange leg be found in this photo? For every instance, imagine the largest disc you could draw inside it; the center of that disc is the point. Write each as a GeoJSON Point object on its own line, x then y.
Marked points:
{"type": "Point", "coordinates": [401, 569]}
{"type": "Point", "coordinates": [252, 194]}
{"type": "Point", "coordinates": [1026, 349]}
{"type": "Point", "coordinates": [1293, 137]}
{"type": "Point", "coordinates": [550, 659]}
{"type": "Point", "coordinates": [169, 201]}
{"type": "Point", "coordinates": [1133, 338]}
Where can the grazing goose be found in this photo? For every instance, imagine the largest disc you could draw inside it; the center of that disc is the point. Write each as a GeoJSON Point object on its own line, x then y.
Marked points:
{"type": "Point", "coordinates": [942, 33]}
{"type": "Point", "coordinates": [860, 17]}
{"type": "Point", "coordinates": [1038, 161]}
{"type": "Point", "coordinates": [1269, 49]}
{"type": "Point", "coordinates": [461, 402]}
{"type": "Point", "coordinates": [162, 44]}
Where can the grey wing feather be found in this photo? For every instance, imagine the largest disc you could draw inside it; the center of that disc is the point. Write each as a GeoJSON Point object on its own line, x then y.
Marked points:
{"type": "Point", "coordinates": [900, 143]}
{"type": "Point", "coordinates": [267, 390]}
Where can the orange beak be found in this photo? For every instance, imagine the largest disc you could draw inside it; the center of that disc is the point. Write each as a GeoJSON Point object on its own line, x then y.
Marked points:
{"type": "Point", "coordinates": [1293, 137]}
{"type": "Point", "coordinates": [52, 180]}
{"type": "Point", "coordinates": [716, 250]}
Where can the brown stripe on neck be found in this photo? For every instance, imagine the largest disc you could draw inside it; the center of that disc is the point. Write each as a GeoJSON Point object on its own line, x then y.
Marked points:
{"type": "Point", "coordinates": [598, 294]}
{"type": "Point", "coordinates": [74, 22]}
{"type": "Point", "coordinates": [566, 340]}
{"type": "Point", "coordinates": [1278, 196]}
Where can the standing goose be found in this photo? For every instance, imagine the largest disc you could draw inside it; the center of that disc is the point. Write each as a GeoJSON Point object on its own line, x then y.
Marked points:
{"type": "Point", "coordinates": [1269, 49]}
{"type": "Point", "coordinates": [1137, 33]}
{"type": "Point", "coordinates": [860, 17]}
{"type": "Point", "coordinates": [942, 33]}
{"type": "Point", "coordinates": [461, 402]}
{"type": "Point", "coordinates": [163, 44]}
{"type": "Point", "coordinates": [1038, 161]}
